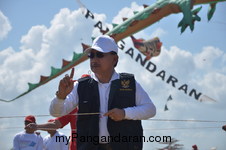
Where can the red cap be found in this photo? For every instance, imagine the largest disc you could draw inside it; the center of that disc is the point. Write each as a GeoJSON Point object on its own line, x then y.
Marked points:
{"type": "Point", "coordinates": [195, 147]}
{"type": "Point", "coordinates": [30, 118]}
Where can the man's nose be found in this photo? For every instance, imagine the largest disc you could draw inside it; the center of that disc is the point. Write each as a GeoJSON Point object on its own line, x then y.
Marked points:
{"type": "Point", "coordinates": [94, 59]}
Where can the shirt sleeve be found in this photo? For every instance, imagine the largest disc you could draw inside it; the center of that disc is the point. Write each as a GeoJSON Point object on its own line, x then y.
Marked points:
{"type": "Point", "coordinates": [59, 107]}
{"type": "Point", "coordinates": [64, 120]}
{"type": "Point", "coordinates": [144, 108]}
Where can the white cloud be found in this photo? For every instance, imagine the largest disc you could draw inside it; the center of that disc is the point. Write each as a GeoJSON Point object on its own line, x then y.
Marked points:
{"type": "Point", "coordinates": [158, 33]}
{"type": "Point", "coordinates": [5, 26]}
{"type": "Point", "coordinates": [214, 82]}
{"type": "Point", "coordinates": [127, 13]}
{"type": "Point", "coordinates": [34, 38]}
{"type": "Point", "coordinates": [6, 53]}
{"type": "Point", "coordinates": [205, 59]}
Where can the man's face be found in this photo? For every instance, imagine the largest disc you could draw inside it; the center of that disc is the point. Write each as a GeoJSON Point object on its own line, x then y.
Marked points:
{"type": "Point", "coordinates": [102, 62]}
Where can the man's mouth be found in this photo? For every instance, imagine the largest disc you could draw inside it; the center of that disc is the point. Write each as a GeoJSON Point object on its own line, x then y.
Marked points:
{"type": "Point", "coordinates": [95, 65]}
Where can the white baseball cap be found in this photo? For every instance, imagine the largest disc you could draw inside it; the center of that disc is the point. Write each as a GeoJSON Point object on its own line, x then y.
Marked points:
{"type": "Point", "coordinates": [104, 44]}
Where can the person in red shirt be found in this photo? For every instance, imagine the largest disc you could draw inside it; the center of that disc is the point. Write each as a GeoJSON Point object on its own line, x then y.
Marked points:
{"type": "Point", "coordinates": [70, 118]}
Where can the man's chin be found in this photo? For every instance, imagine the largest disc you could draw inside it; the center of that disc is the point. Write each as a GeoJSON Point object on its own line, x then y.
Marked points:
{"type": "Point", "coordinates": [30, 131]}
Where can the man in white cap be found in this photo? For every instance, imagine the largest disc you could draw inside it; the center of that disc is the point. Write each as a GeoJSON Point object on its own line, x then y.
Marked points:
{"type": "Point", "coordinates": [111, 105]}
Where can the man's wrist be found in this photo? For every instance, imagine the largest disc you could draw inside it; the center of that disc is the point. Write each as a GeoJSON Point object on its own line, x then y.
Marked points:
{"type": "Point", "coordinates": [60, 96]}
{"type": "Point", "coordinates": [37, 127]}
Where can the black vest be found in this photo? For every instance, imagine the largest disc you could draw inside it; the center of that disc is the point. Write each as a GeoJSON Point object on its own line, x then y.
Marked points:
{"type": "Point", "coordinates": [125, 134]}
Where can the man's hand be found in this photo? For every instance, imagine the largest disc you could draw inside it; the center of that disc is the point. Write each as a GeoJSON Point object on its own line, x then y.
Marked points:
{"type": "Point", "coordinates": [31, 126]}
{"type": "Point", "coordinates": [66, 85]}
{"type": "Point", "coordinates": [116, 114]}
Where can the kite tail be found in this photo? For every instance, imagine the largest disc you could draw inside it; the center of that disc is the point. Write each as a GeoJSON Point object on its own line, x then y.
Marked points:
{"type": "Point", "coordinates": [55, 72]}
{"type": "Point", "coordinates": [7, 101]}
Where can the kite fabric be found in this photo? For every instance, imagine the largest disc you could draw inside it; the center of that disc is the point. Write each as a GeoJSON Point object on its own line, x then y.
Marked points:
{"type": "Point", "coordinates": [149, 48]}
{"type": "Point", "coordinates": [168, 99]}
{"type": "Point", "coordinates": [166, 107]}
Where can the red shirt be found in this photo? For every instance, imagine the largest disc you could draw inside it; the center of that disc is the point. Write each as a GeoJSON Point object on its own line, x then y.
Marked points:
{"type": "Point", "coordinates": [70, 118]}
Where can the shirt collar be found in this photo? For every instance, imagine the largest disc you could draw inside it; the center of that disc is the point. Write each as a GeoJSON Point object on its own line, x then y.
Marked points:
{"type": "Point", "coordinates": [114, 76]}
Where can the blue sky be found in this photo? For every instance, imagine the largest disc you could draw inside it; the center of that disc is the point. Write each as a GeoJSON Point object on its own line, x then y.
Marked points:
{"type": "Point", "coordinates": [36, 36]}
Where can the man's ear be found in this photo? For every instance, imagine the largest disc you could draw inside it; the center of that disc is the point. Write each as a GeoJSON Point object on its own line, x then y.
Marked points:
{"type": "Point", "coordinates": [116, 60]}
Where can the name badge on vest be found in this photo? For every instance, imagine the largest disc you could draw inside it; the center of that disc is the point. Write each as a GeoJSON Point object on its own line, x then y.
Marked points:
{"type": "Point", "coordinates": [125, 85]}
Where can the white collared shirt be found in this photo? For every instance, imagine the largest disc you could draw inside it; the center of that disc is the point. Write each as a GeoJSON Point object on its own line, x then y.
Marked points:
{"type": "Point", "coordinates": [57, 142]}
{"type": "Point", "coordinates": [144, 108]}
